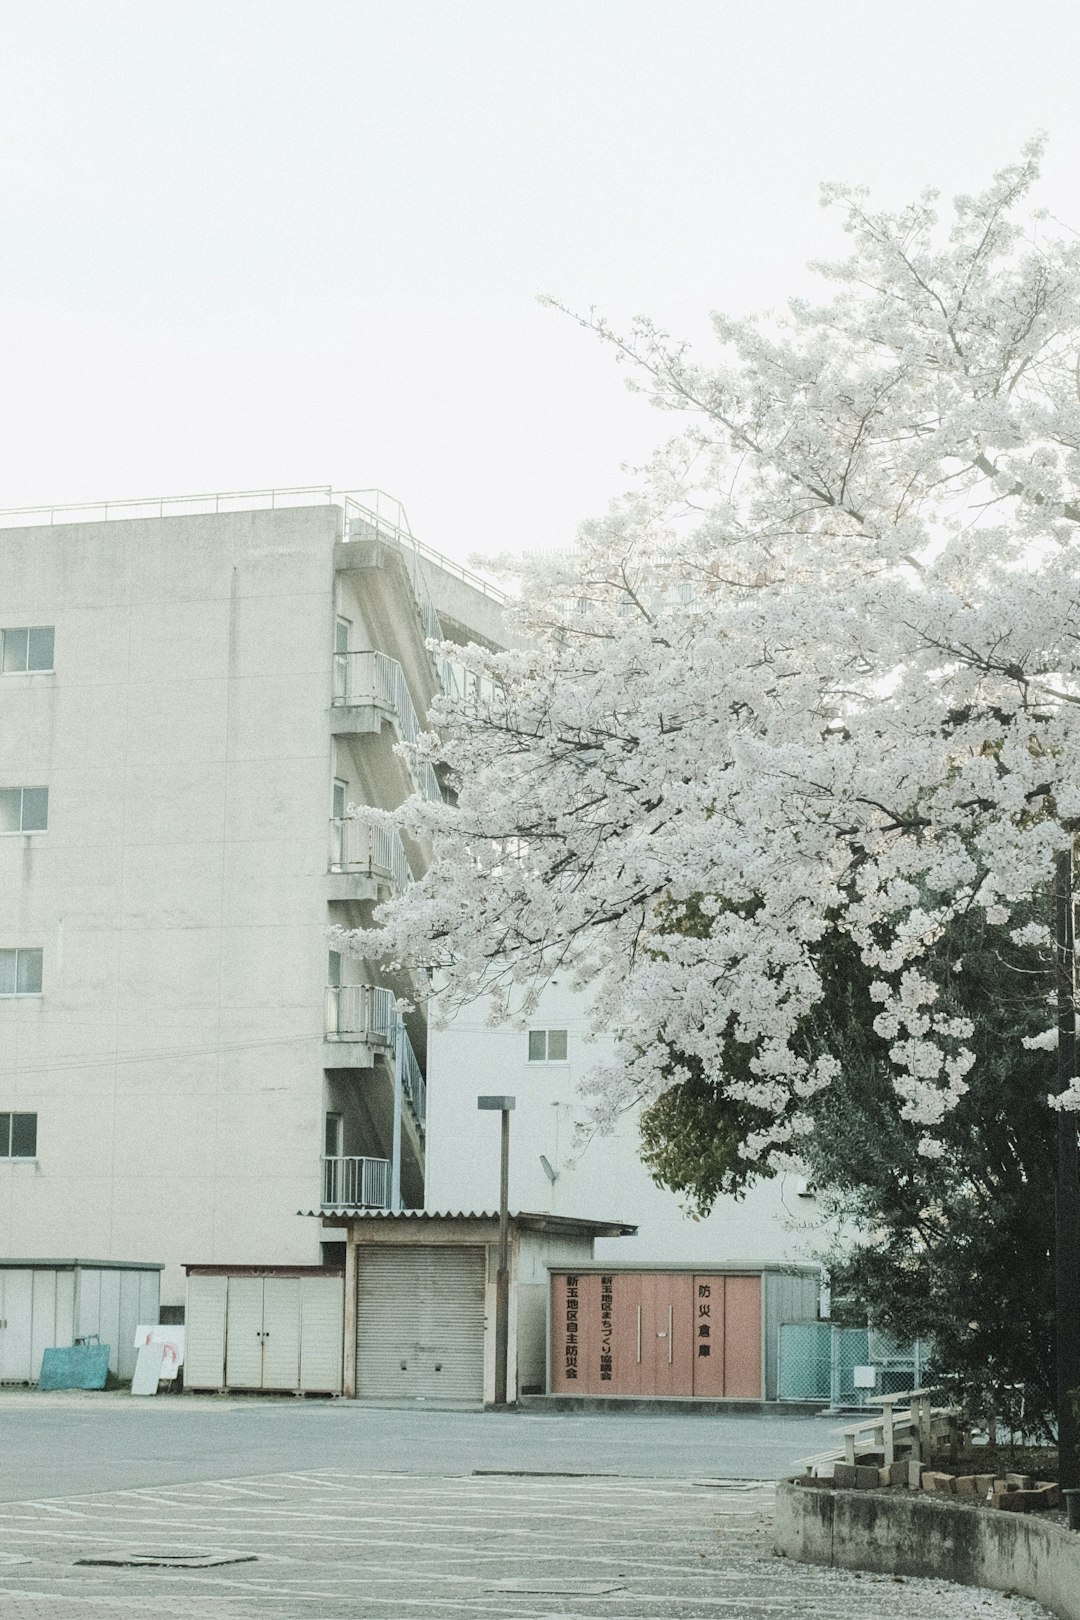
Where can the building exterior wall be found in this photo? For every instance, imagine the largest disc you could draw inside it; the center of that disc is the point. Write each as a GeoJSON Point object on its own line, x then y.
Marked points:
{"type": "Point", "coordinates": [598, 1176]}
{"type": "Point", "coordinates": [176, 1058]}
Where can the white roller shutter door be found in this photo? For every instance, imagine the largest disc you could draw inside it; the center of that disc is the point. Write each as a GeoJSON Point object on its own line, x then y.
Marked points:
{"type": "Point", "coordinates": [420, 1323]}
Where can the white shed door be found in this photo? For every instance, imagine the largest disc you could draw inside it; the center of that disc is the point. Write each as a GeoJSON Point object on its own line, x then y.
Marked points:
{"type": "Point", "coordinates": [420, 1323]}
{"type": "Point", "coordinates": [322, 1308]}
{"type": "Point", "coordinates": [204, 1353]}
{"type": "Point", "coordinates": [280, 1332]}
{"type": "Point", "coordinates": [16, 1326]}
{"type": "Point", "coordinates": [243, 1333]}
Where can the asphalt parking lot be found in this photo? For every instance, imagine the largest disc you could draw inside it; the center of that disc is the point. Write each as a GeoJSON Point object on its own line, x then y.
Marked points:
{"type": "Point", "coordinates": [196, 1509]}
{"type": "Point", "coordinates": [65, 1444]}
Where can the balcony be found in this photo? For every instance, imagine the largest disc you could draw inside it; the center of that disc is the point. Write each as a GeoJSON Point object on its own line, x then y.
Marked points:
{"type": "Point", "coordinates": [367, 862]}
{"type": "Point", "coordinates": [369, 688]}
{"type": "Point", "coordinates": [360, 1012]}
{"type": "Point", "coordinates": [356, 1183]}
{"type": "Point", "coordinates": [362, 1021]}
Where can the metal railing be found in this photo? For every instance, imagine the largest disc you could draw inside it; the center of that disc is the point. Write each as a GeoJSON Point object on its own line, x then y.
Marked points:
{"type": "Point", "coordinates": [373, 527]}
{"type": "Point", "coordinates": [372, 504]}
{"type": "Point", "coordinates": [372, 513]}
{"type": "Point", "coordinates": [374, 851]}
{"type": "Point", "coordinates": [356, 1183]}
{"type": "Point", "coordinates": [362, 678]}
{"type": "Point", "coordinates": [360, 1012]}
{"type": "Point", "coordinates": [412, 1080]}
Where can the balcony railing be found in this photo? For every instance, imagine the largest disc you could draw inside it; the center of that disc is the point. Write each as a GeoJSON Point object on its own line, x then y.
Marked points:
{"type": "Point", "coordinates": [355, 1183]}
{"type": "Point", "coordinates": [365, 1012]}
{"type": "Point", "coordinates": [373, 851]}
{"type": "Point", "coordinates": [412, 1081]}
{"type": "Point", "coordinates": [360, 1012]}
{"type": "Point", "coordinates": [372, 679]}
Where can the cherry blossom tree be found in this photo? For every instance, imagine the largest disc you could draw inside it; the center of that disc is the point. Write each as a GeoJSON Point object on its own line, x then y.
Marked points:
{"type": "Point", "coordinates": [818, 669]}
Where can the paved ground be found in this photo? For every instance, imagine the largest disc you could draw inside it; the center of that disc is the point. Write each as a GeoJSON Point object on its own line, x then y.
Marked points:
{"type": "Point", "coordinates": [56, 1445]}
{"type": "Point", "coordinates": [316, 1511]}
{"type": "Point", "coordinates": [329, 1544]}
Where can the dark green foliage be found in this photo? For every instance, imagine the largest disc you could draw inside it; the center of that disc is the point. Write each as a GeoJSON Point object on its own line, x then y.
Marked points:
{"type": "Point", "coordinates": [956, 1249]}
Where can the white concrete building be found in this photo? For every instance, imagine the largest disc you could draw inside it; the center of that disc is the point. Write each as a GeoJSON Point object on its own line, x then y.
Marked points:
{"type": "Point", "coordinates": [561, 1166]}
{"type": "Point", "coordinates": [191, 695]}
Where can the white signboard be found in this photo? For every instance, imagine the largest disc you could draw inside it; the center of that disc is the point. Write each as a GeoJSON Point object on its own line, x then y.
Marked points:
{"type": "Point", "coordinates": [170, 1336]}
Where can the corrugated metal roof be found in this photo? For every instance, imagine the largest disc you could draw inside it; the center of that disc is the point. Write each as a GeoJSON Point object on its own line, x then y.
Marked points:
{"type": "Point", "coordinates": [83, 1265]}
{"type": "Point", "coordinates": [530, 1220]}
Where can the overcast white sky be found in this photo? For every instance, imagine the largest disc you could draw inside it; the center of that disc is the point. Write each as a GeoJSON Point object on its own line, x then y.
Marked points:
{"type": "Point", "coordinates": [253, 243]}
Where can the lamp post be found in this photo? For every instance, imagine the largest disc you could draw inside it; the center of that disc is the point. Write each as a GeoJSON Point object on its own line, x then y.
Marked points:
{"type": "Point", "coordinates": [1067, 1203]}
{"type": "Point", "coordinates": [502, 1105]}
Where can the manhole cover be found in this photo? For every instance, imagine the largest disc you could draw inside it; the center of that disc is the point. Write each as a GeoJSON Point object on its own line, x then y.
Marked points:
{"type": "Point", "coordinates": [167, 1560]}
{"type": "Point", "coordinates": [557, 1588]}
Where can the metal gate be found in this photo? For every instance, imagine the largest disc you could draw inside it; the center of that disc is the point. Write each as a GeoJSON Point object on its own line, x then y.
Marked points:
{"type": "Point", "coordinates": [420, 1322]}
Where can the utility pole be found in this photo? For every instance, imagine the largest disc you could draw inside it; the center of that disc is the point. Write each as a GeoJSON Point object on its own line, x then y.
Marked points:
{"type": "Point", "coordinates": [1067, 1190]}
{"type": "Point", "coordinates": [503, 1105]}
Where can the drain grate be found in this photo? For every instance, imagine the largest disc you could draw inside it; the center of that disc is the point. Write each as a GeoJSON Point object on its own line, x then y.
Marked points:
{"type": "Point", "coordinates": [166, 1560]}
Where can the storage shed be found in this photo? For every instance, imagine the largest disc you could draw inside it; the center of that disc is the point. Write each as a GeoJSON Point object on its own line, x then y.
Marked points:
{"type": "Point", "coordinates": [705, 1331]}
{"type": "Point", "coordinates": [50, 1303]}
{"type": "Point", "coordinates": [420, 1299]}
{"type": "Point", "coordinates": [274, 1328]}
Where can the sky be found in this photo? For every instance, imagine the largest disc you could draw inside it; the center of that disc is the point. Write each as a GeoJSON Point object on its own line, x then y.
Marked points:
{"type": "Point", "coordinates": [252, 244]}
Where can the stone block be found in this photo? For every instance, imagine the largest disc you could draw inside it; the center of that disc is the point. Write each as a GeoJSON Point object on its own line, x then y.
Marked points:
{"type": "Point", "coordinates": [984, 1485]}
{"type": "Point", "coordinates": [1036, 1500]}
{"type": "Point", "coordinates": [916, 1470]}
{"type": "Point", "coordinates": [898, 1472]}
{"type": "Point", "coordinates": [934, 1480]}
{"type": "Point", "coordinates": [866, 1477]}
{"type": "Point", "coordinates": [1019, 1482]}
{"type": "Point", "coordinates": [844, 1475]}
{"type": "Point", "coordinates": [966, 1485]}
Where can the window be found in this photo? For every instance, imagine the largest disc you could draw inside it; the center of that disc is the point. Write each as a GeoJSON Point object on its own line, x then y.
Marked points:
{"type": "Point", "coordinates": [20, 972]}
{"type": "Point", "coordinates": [24, 810]}
{"type": "Point", "coordinates": [547, 1046]}
{"type": "Point", "coordinates": [333, 970]}
{"type": "Point", "coordinates": [341, 790]}
{"type": "Point", "coordinates": [18, 1136]}
{"type": "Point", "coordinates": [26, 651]}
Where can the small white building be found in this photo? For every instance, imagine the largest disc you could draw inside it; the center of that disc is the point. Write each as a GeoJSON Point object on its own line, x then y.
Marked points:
{"type": "Point", "coordinates": [559, 1163]}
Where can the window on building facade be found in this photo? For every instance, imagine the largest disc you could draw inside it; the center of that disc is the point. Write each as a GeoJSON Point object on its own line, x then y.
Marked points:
{"type": "Point", "coordinates": [27, 650]}
{"type": "Point", "coordinates": [18, 1136]}
{"type": "Point", "coordinates": [547, 1046]}
{"type": "Point", "coordinates": [24, 810]}
{"type": "Point", "coordinates": [333, 969]}
{"type": "Point", "coordinates": [20, 972]}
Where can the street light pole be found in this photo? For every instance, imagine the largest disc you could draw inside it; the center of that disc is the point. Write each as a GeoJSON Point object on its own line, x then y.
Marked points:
{"type": "Point", "coordinates": [503, 1105]}
{"type": "Point", "coordinates": [1067, 1186]}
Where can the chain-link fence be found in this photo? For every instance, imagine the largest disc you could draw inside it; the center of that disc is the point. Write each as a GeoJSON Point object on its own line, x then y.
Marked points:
{"type": "Point", "coordinates": [845, 1366]}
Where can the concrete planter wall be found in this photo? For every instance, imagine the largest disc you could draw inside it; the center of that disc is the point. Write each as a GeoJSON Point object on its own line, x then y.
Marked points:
{"type": "Point", "coordinates": [920, 1535]}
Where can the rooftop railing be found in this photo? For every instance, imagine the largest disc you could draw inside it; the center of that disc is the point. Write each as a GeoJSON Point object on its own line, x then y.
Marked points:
{"type": "Point", "coordinates": [374, 504]}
